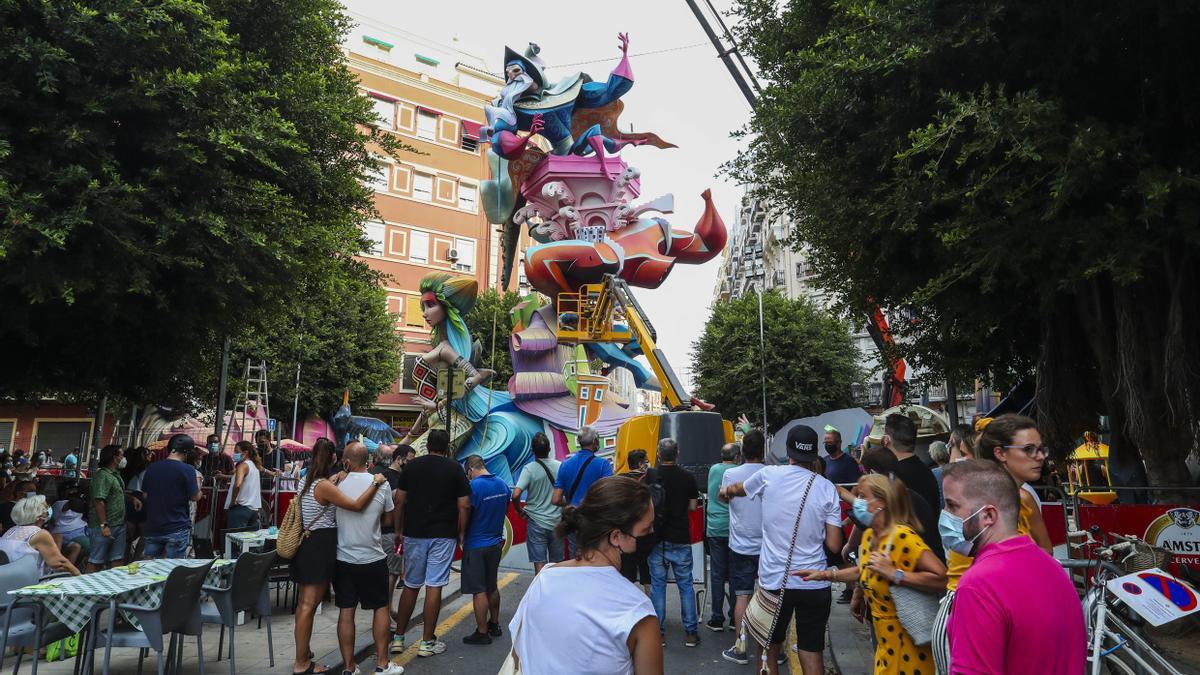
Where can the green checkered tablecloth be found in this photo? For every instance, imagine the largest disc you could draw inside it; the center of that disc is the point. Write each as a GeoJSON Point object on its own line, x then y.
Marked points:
{"type": "Point", "coordinates": [70, 599]}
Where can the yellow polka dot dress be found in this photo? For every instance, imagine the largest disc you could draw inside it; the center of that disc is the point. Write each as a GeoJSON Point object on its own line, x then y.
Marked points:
{"type": "Point", "coordinates": [895, 653]}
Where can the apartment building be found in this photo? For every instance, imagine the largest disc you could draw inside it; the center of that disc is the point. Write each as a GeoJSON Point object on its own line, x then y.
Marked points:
{"type": "Point", "coordinates": [431, 96]}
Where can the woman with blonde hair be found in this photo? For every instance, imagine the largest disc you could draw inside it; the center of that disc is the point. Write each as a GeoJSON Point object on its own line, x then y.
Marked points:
{"type": "Point", "coordinates": [29, 538]}
{"type": "Point", "coordinates": [892, 553]}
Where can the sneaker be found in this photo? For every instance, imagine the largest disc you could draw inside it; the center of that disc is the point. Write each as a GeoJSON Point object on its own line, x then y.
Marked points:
{"type": "Point", "coordinates": [430, 647]}
{"type": "Point", "coordinates": [356, 671]}
{"type": "Point", "coordinates": [477, 638]}
{"type": "Point", "coordinates": [692, 640]}
{"type": "Point", "coordinates": [494, 629]}
{"type": "Point", "coordinates": [782, 658]}
{"type": "Point", "coordinates": [844, 598]}
{"type": "Point", "coordinates": [732, 654]}
{"type": "Point", "coordinates": [397, 647]}
{"type": "Point", "coordinates": [392, 669]}
{"type": "Point", "coordinates": [715, 625]}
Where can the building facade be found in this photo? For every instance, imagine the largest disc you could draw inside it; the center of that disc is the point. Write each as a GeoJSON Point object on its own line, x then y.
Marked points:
{"type": "Point", "coordinates": [431, 96]}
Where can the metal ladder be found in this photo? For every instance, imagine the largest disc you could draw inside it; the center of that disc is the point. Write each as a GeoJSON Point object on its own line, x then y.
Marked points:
{"type": "Point", "coordinates": [254, 396]}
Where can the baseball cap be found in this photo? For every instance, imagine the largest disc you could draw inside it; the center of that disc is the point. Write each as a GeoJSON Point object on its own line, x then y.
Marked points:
{"type": "Point", "coordinates": [802, 443]}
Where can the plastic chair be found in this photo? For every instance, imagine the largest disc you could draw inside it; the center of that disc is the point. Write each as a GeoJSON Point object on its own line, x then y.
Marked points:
{"type": "Point", "coordinates": [247, 591]}
{"type": "Point", "coordinates": [178, 613]}
{"type": "Point", "coordinates": [23, 617]}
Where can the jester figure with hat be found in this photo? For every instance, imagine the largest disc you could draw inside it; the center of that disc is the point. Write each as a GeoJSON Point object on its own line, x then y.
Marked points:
{"type": "Point", "coordinates": [483, 422]}
{"type": "Point", "coordinates": [527, 103]}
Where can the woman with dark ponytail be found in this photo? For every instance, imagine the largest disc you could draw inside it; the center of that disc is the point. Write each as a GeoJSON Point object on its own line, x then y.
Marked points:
{"type": "Point", "coordinates": [568, 601]}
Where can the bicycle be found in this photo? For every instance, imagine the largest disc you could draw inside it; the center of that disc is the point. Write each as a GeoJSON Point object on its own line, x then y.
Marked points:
{"type": "Point", "coordinates": [1115, 637]}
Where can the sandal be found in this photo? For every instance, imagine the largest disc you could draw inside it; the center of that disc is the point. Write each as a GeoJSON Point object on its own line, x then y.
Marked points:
{"type": "Point", "coordinates": [311, 670]}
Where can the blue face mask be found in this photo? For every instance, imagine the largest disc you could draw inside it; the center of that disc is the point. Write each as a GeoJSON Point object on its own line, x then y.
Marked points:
{"type": "Point", "coordinates": [237, 457]}
{"type": "Point", "coordinates": [861, 512]}
{"type": "Point", "coordinates": [49, 513]}
{"type": "Point", "coordinates": [950, 527]}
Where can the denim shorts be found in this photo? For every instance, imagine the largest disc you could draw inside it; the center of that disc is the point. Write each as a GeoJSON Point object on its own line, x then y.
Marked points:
{"type": "Point", "coordinates": [170, 545]}
{"type": "Point", "coordinates": [427, 561]}
{"type": "Point", "coordinates": [106, 549]}
{"type": "Point", "coordinates": [742, 571]}
{"type": "Point", "coordinates": [541, 545]}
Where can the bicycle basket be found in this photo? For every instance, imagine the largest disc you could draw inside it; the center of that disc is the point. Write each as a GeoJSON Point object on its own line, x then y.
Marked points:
{"type": "Point", "coordinates": [1143, 557]}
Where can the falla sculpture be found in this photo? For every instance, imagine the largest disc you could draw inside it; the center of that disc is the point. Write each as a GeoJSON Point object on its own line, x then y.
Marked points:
{"type": "Point", "coordinates": [555, 173]}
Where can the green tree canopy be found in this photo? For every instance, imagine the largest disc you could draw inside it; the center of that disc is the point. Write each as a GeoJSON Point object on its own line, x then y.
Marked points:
{"type": "Point", "coordinates": [1021, 179]}
{"type": "Point", "coordinates": [334, 330]}
{"type": "Point", "coordinates": [811, 363]}
{"type": "Point", "coordinates": [490, 307]}
{"type": "Point", "coordinates": [171, 172]}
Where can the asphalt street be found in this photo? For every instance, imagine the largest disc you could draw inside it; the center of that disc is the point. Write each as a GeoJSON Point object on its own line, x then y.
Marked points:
{"type": "Point", "coordinates": [457, 620]}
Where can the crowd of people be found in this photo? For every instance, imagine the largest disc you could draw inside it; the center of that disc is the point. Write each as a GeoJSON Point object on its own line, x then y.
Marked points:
{"type": "Point", "coordinates": [963, 539]}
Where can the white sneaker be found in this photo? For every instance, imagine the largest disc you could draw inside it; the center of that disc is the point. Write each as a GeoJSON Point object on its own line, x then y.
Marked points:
{"type": "Point", "coordinates": [392, 669]}
{"type": "Point", "coordinates": [356, 671]}
{"type": "Point", "coordinates": [430, 647]}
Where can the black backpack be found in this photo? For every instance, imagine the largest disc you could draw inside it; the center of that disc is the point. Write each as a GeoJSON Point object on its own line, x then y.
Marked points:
{"type": "Point", "coordinates": [658, 497]}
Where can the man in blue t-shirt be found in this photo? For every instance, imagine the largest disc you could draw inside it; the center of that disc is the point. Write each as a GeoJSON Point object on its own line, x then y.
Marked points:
{"type": "Point", "coordinates": [482, 546]}
{"type": "Point", "coordinates": [170, 486]}
{"type": "Point", "coordinates": [580, 470]}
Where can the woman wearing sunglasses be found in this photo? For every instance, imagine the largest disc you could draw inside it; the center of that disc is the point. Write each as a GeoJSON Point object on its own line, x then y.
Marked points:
{"type": "Point", "coordinates": [1013, 442]}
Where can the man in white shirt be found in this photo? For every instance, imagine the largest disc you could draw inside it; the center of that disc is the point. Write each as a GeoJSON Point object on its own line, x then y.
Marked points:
{"type": "Point", "coordinates": [362, 574]}
{"type": "Point", "coordinates": [745, 537]}
{"type": "Point", "coordinates": [805, 504]}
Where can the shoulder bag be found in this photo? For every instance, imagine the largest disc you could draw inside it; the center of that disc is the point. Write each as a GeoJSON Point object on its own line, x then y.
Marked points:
{"type": "Point", "coordinates": [762, 614]}
{"type": "Point", "coordinates": [292, 532]}
{"type": "Point", "coordinates": [917, 610]}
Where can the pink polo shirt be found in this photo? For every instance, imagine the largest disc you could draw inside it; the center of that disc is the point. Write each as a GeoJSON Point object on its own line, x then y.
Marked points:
{"type": "Point", "coordinates": [1016, 611]}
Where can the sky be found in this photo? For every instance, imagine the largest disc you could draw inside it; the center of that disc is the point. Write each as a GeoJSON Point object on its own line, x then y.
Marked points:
{"type": "Point", "coordinates": [683, 94]}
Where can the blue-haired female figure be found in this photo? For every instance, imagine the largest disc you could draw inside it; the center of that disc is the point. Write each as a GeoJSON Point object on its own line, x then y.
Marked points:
{"type": "Point", "coordinates": [499, 432]}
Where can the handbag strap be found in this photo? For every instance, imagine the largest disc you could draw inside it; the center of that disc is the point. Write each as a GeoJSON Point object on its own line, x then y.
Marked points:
{"type": "Point", "coordinates": [547, 470]}
{"type": "Point", "coordinates": [320, 514]}
{"type": "Point", "coordinates": [788, 565]}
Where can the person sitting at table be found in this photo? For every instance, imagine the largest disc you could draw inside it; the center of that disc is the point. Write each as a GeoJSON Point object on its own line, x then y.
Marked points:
{"type": "Point", "coordinates": [170, 486]}
{"type": "Point", "coordinates": [244, 498]}
{"type": "Point", "coordinates": [28, 538]}
{"type": "Point", "coordinates": [70, 524]}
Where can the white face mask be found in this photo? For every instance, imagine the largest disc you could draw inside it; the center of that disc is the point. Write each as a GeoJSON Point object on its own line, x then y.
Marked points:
{"type": "Point", "coordinates": [121, 464]}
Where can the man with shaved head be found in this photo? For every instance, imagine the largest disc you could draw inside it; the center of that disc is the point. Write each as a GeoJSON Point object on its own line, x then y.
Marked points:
{"type": "Point", "coordinates": [1014, 609]}
{"type": "Point", "coordinates": [361, 578]}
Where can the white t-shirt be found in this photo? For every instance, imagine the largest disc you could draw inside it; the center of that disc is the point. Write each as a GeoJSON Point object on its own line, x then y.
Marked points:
{"type": "Point", "coordinates": [745, 513]}
{"type": "Point", "coordinates": [577, 620]}
{"type": "Point", "coordinates": [359, 540]}
{"type": "Point", "coordinates": [782, 488]}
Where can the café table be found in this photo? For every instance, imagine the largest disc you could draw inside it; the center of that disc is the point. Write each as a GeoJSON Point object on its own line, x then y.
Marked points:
{"type": "Point", "coordinates": [79, 601]}
{"type": "Point", "coordinates": [248, 540]}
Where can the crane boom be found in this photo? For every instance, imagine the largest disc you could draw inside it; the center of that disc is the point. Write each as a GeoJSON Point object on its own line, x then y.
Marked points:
{"type": "Point", "coordinates": [587, 316]}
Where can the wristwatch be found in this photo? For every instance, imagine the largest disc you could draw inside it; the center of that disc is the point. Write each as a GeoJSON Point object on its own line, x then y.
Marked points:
{"type": "Point", "coordinates": [899, 577]}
